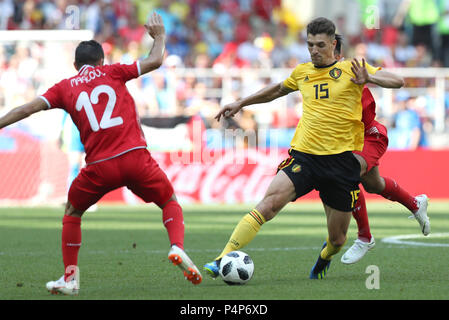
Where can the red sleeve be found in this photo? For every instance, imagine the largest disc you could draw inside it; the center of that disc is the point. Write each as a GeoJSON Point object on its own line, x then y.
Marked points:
{"type": "Point", "coordinates": [367, 98]}
{"type": "Point", "coordinates": [54, 96]}
{"type": "Point", "coordinates": [125, 72]}
{"type": "Point", "coordinates": [369, 107]}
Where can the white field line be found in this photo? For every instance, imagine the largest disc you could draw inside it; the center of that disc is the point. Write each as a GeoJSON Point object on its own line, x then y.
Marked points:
{"type": "Point", "coordinates": [405, 240]}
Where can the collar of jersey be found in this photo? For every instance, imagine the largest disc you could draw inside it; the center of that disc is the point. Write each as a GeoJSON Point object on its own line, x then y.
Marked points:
{"type": "Point", "coordinates": [329, 65]}
{"type": "Point", "coordinates": [84, 68]}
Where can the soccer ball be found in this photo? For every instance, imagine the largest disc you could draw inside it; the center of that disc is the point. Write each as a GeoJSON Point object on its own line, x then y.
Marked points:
{"type": "Point", "coordinates": [236, 268]}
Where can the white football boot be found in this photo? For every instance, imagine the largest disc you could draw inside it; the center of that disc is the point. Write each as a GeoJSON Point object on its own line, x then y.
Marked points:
{"type": "Point", "coordinates": [70, 288]}
{"type": "Point", "coordinates": [179, 258]}
{"type": "Point", "coordinates": [357, 251]}
{"type": "Point", "coordinates": [421, 214]}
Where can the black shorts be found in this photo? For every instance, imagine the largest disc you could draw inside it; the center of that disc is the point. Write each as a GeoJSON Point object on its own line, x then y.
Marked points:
{"type": "Point", "coordinates": [336, 177]}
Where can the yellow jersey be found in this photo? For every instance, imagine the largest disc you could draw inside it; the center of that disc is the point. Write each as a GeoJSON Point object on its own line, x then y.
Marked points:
{"type": "Point", "coordinates": [332, 108]}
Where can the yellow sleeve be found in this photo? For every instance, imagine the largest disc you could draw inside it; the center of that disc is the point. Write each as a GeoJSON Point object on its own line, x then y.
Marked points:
{"type": "Point", "coordinates": [371, 69]}
{"type": "Point", "coordinates": [291, 81]}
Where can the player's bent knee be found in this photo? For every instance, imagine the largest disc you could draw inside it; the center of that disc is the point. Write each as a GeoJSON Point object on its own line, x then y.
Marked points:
{"type": "Point", "coordinates": [373, 187]}
{"type": "Point", "coordinates": [373, 190]}
{"type": "Point", "coordinates": [338, 241]}
{"type": "Point", "coordinates": [170, 201]}
{"type": "Point", "coordinates": [373, 182]}
{"type": "Point", "coordinates": [72, 211]}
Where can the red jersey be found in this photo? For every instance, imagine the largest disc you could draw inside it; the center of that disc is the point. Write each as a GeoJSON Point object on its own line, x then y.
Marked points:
{"type": "Point", "coordinates": [369, 108]}
{"type": "Point", "coordinates": [102, 109]}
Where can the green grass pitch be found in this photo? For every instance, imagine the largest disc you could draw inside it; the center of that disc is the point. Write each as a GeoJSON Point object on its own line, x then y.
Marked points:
{"type": "Point", "coordinates": [124, 255]}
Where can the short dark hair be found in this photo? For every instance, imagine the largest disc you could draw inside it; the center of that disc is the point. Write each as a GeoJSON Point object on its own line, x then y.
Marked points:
{"type": "Point", "coordinates": [321, 25]}
{"type": "Point", "coordinates": [339, 39]}
{"type": "Point", "coordinates": [88, 52]}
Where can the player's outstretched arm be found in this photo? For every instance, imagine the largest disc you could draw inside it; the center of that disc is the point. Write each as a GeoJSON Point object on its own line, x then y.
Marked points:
{"type": "Point", "coordinates": [386, 79]}
{"type": "Point", "coordinates": [22, 112]}
{"type": "Point", "coordinates": [381, 78]}
{"type": "Point", "coordinates": [266, 94]}
{"type": "Point", "coordinates": [156, 30]}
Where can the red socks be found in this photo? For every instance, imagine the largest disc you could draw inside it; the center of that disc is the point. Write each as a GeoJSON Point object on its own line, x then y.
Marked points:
{"type": "Point", "coordinates": [391, 192]}
{"type": "Point", "coordinates": [173, 220]}
{"type": "Point", "coordinates": [394, 192]}
{"type": "Point", "coordinates": [71, 243]}
{"type": "Point", "coordinates": [361, 217]}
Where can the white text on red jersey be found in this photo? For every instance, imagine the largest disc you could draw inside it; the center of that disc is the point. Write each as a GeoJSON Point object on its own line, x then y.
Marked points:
{"type": "Point", "coordinates": [87, 77]}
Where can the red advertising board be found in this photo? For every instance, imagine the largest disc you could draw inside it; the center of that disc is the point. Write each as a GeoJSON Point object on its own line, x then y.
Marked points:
{"type": "Point", "coordinates": [33, 171]}
{"type": "Point", "coordinates": [242, 178]}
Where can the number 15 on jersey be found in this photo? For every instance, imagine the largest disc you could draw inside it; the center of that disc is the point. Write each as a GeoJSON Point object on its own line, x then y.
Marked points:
{"type": "Point", "coordinates": [321, 91]}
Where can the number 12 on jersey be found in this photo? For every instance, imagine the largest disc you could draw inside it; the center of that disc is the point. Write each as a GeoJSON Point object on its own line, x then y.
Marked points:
{"type": "Point", "coordinates": [85, 102]}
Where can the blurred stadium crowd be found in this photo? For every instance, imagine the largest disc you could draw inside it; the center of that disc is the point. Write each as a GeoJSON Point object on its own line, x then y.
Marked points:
{"type": "Point", "coordinates": [217, 36]}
